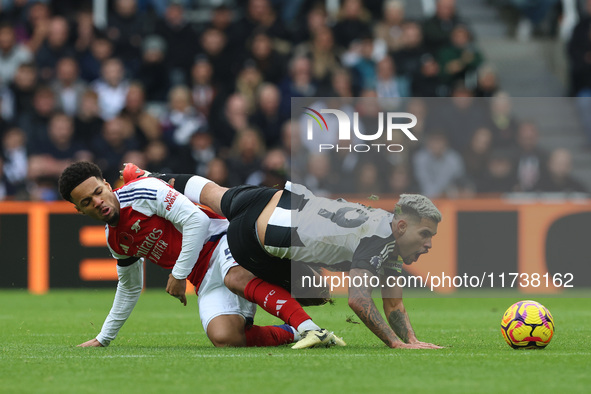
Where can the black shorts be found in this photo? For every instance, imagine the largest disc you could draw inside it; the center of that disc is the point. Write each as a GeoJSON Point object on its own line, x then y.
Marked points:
{"type": "Point", "coordinates": [242, 205]}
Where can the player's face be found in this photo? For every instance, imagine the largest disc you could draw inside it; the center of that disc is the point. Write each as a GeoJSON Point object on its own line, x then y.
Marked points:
{"type": "Point", "coordinates": [414, 238]}
{"type": "Point", "coordinates": [95, 198]}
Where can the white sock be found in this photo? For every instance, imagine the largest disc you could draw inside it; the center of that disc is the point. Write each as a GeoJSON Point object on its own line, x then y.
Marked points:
{"type": "Point", "coordinates": [307, 326]}
{"type": "Point", "coordinates": [194, 187]}
{"type": "Point", "coordinates": [296, 334]}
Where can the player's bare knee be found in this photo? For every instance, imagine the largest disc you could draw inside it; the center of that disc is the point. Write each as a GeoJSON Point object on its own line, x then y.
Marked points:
{"type": "Point", "coordinates": [227, 331]}
{"type": "Point", "coordinates": [226, 340]}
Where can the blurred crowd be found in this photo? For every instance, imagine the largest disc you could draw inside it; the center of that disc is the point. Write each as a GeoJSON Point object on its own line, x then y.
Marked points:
{"type": "Point", "coordinates": [172, 91]}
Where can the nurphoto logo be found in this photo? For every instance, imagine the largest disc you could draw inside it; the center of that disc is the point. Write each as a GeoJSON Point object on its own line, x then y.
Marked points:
{"type": "Point", "coordinates": [390, 119]}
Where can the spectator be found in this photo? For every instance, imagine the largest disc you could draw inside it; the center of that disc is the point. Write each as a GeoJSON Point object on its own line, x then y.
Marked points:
{"type": "Point", "coordinates": [181, 120]}
{"type": "Point", "coordinates": [7, 189]}
{"type": "Point", "coordinates": [35, 123]}
{"type": "Point", "coordinates": [531, 160]}
{"type": "Point", "coordinates": [558, 178]}
{"type": "Point", "coordinates": [67, 86]}
{"type": "Point", "coordinates": [409, 57]}
{"type": "Point", "coordinates": [462, 116]}
{"type": "Point", "coordinates": [274, 171]}
{"type": "Point", "coordinates": [248, 82]}
{"type": "Point", "coordinates": [486, 83]}
{"type": "Point", "coordinates": [388, 83]}
{"type": "Point", "coordinates": [214, 47]}
{"type": "Point", "coordinates": [101, 49]}
{"type": "Point", "coordinates": [87, 123]}
{"type": "Point", "coordinates": [153, 72]}
{"type": "Point", "coordinates": [316, 18]}
{"type": "Point", "coordinates": [296, 153]}
{"type": "Point", "coordinates": [217, 171]}
{"type": "Point", "coordinates": [61, 145]}
{"type": "Point", "coordinates": [146, 127]}
{"type": "Point", "coordinates": [109, 148]}
{"type": "Point", "coordinates": [22, 90]}
{"type": "Point", "coordinates": [267, 59]}
{"type": "Point", "coordinates": [427, 81]}
{"type": "Point", "coordinates": [401, 181]}
{"type": "Point", "coordinates": [502, 122]}
{"type": "Point", "coordinates": [111, 88]}
{"type": "Point", "coordinates": [368, 179]}
{"type": "Point", "coordinates": [177, 32]}
{"type": "Point", "coordinates": [222, 19]}
{"type": "Point", "coordinates": [477, 154]}
{"type": "Point", "coordinates": [260, 13]}
{"type": "Point", "coordinates": [438, 168]}
{"type": "Point", "coordinates": [363, 64]}
{"type": "Point", "coordinates": [159, 158]}
{"type": "Point", "coordinates": [319, 177]}
{"type": "Point", "coordinates": [437, 29]}
{"type": "Point", "coordinates": [299, 83]}
{"type": "Point", "coordinates": [126, 27]}
{"type": "Point", "coordinates": [85, 32]}
{"type": "Point", "coordinates": [323, 54]}
{"type": "Point", "coordinates": [12, 54]}
{"type": "Point", "coordinates": [37, 25]}
{"type": "Point", "coordinates": [203, 91]}
{"type": "Point", "coordinates": [460, 59]}
{"type": "Point", "coordinates": [353, 22]}
{"type": "Point", "coordinates": [389, 29]}
{"type": "Point", "coordinates": [232, 121]}
{"type": "Point", "coordinates": [500, 174]}
{"type": "Point", "coordinates": [267, 117]}
{"type": "Point", "coordinates": [14, 150]}
{"type": "Point", "coordinates": [47, 161]}
{"type": "Point", "coordinates": [248, 151]}
{"type": "Point", "coordinates": [342, 83]}
{"type": "Point", "coordinates": [200, 151]}
{"type": "Point", "coordinates": [55, 47]}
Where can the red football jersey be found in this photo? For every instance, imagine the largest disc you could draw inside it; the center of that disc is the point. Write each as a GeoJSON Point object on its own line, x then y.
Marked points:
{"type": "Point", "coordinates": [161, 225]}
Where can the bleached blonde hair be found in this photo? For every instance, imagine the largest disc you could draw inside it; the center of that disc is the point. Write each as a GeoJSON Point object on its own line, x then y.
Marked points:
{"type": "Point", "coordinates": [417, 206]}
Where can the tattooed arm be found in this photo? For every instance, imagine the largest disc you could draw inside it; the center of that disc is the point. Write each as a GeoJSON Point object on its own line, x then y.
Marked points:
{"type": "Point", "coordinates": [362, 304]}
{"type": "Point", "coordinates": [398, 318]}
{"type": "Point", "coordinates": [396, 314]}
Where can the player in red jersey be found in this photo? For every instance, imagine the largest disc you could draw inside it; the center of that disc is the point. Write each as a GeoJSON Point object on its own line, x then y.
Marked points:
{"type": "Point", "coordinates": [149, 220]}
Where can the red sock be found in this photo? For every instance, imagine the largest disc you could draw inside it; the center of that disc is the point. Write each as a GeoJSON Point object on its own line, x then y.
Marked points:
{"type": "Point", "coordinates": [267, 336]}
{"type": "Point", "coordinates": [275, 300]}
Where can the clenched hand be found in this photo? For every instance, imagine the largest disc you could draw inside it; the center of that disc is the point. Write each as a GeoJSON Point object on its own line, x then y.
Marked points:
{"type": "Point", "coordinates": [177, 288]}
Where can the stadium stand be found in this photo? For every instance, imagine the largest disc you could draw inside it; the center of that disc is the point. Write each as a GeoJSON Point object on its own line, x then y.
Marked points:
{"type": "Point", "coordinates": [204, 86]}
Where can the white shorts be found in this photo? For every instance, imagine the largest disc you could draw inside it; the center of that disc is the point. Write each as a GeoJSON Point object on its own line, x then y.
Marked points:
{"type": "Point", "coordinates": [214, 297]}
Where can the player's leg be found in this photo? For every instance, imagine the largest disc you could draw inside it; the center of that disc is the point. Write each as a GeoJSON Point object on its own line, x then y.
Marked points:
{"type": "Point", "coordinates": [227, 318]}
{"type": "Point", "coordinates": [277, 301]}
{"type": "Point", "coordinates": [234, 331]}
{"type": "Point", "coordinates": [197, 188]}
{"type": "Point", "coordinates": [227, 331]}
{"type": "Point", "coordinates": [271, 297]}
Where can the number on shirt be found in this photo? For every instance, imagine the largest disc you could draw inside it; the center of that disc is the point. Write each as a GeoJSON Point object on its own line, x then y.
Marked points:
{"type": "Point", "coordinates": [341, 218]}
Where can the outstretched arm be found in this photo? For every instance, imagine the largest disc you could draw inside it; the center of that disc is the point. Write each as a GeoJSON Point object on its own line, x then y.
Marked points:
{"type": "Point", "coordinates": [361, 302]}
{"type": "Point", "coordinates": [398, 317]}
{"type": "Point", "coordinates": [128, 292]}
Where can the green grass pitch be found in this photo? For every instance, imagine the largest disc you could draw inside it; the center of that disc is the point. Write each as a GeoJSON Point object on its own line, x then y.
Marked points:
{"type": "Point", "coordinates": [162, 349]}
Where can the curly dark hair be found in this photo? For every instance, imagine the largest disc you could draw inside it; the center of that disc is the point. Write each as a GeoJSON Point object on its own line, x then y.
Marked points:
{"type": "Point", "coordinates": [74, 175]}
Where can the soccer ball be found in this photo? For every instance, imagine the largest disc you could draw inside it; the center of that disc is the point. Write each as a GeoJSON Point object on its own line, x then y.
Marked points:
{"type": "Point", "coordinates": [527, 325]}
